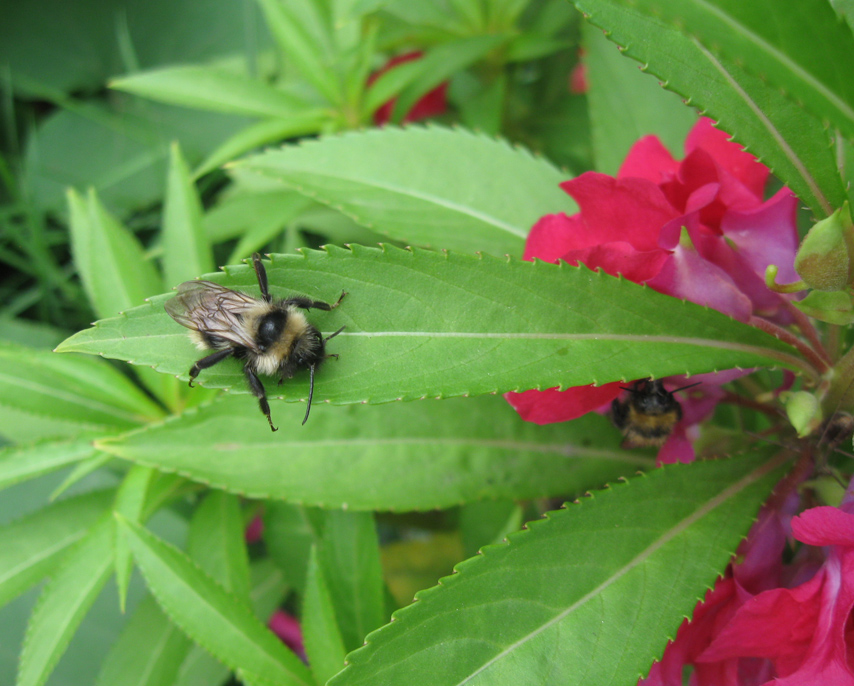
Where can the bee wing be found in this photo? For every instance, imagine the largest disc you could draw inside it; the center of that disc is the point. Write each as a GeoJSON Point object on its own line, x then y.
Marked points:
{"type": "Point", "coordinates": [210, 308]}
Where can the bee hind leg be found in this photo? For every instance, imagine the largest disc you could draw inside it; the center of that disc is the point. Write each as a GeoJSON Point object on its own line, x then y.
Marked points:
{"type": "Point", "coordinates": [208, 361]}
{"type": "Point", "coordinates": [258, 391]}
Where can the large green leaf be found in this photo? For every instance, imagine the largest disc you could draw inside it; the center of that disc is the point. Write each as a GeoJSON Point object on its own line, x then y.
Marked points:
{"type": "Point", "coordinates": [787, 138]}
{"type": "Point", "coordinates": [209, 614]}
{"type": "Point", "coordinates": [121, 150]}
{"type": "Point", "coordinates": [612, 83]}
{"type": "Point", "coordinates": [349, 557]}
{"type": "Point", "coordinates": [303, 29]}
{"type": "Point", "coordinates": [109, 258]}
{"type": "Point", "coordinates": [76, 46]}
{"type": "Point", "coordinates": [31, 547]}
{"type": "Point", "coordinates": [209, 88]}
{"type": "Point", "coordinates": [799, 45]}
{"type": "Point", "coordinates": [130, 502]}
{"type": "Point", "coordinates": [23, 462]}
{"type": "Point", "coordinates": [403, 456]}
{"type": "Point", "coordinates": [423, 324]}
{"type": "Point", "coordinates": [427, 186]}
{"type": "Point", "coordinates": [64, 601]}
{"type": "Point", "coordinates": [43, 394]}
{"type": "Point", "coordinates": [268, 590]}
{"type": "Point", "coordinates": [147, 653]}
{"type": "Point", "coordinates": [217, 543]}
{"type": "Point", "coordinates": [186, 249]}
{"type": "Point", "coordinates": [589, 595]}
{"type": "Point", "coordinates": [324, 647]}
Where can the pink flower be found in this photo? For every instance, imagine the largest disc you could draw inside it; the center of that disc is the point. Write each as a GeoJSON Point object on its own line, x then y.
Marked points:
{"type": "Point", "coordinates": [806, 631]}
{"type": "Point", "coordinates": [698, 229]}
{"type": "Point", "coordinates": [288, 629]}
{"type": "Point", "coordinates": [254, 530]}
{"type": "Point", "coordinates": [430, 105]}
{"type": "Point", "coordinates": [760, 568]}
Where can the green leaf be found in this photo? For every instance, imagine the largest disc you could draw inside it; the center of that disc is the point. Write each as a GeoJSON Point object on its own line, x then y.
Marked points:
{"type": "Point", "coordinates": [112, 265]}
{"type": "Point", "coordinates": [217, 543]}
{"type": "Point", "coordinates": [268, 590]}
{"type": "Point", "coordinates": [426, 186]}
{"type": "Point", "coordinates": [403, 456]}
{"type": "Point", "coordinates": [81, 470]}
{"type": "Point", "coordinates": [777, 42]}
{"type": "Point", "coordinates": [186, 250]}
{"type": "Point", "coordinates": [210, 615]}
{"type": "Point", "coordinates": [31, 547]}
{"type": "Point", "coordinates": [259, 134]}
{"type": "Point", "coordinates": [43, 394]}
{"type": "Point", "coordinates": [110, 260]}
{"type": "Point", "coordinates": [80, 59]}
{"type": "Point", "coordinates": [444, 61]}
{"type": "Point", "coordinates": [614, 82]}
{"type": "Point", "coordinates": [121, 148]}
{"type": "Point", "coordinates": [790, 140]}
{"type": "Point", "coordinates": [488, 522]}
{"type": "Point", "coordinates": [64, 602]}
{"type": "Point", "coordinates": [412, 80]}
{"type": "Point", "coordinates": [148, 652]}
{"type": "Point", "coordinates": [290, 531]}
{"type": "Point", "coordinates": [23, 462]}
{"type": "Point", "coordinates": [304, 36]}
{"type": "Point", "coordinates": [349, 558]}
{"type": "Point", "coordinates": [130, 502]}
{"type": "Point", "coordinates": [423, 324]}
{"type": "Point", "coordinates": [324, 646]}
{"type": "Point", "coordinates": [211, 88]}
{"type": "Point", "coordinates": [612, 576]}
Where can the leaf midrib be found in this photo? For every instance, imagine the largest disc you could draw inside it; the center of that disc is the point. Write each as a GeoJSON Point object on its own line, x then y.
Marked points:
{"type": "Point", "coordinates": [661, 541]}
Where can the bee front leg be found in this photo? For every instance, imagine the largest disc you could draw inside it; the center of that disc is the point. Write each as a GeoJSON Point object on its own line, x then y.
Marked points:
{"type": "Point", "coordinates": [258, 391]}
{"type": "Point", "coordinates": [208, 361]}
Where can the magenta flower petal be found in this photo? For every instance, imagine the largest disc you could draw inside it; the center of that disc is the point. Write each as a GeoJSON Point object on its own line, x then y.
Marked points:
{"type": "Point", "coordinates": [649, 159]}
{"type": "Point", "coordinates": [687, 275]}
{"type": "Point", "coordinates": [631, 210]}
{"type": "Point", "coordinates": [730, 156]}
{"type": "Point", "coordinates": [822, 526]}
{"type": "Point", "coordinates": [677, 449]}
{"type": "Point", "coordinates": [288, 629]}
{"type": "Point", "coordinates": [552, 237]}
{"type": "Point", "coordinates": [620, 258]}
{"type": "Point", "coordinates": [766, 235]}
{"type": "Point", "coordinates": [552, 405]}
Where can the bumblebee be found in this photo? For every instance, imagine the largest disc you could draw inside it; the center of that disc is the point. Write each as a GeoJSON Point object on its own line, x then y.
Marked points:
{"type": "Point", "coordinates": [273, 337]}
{"type": "Point", "coordinates": [647, 417]}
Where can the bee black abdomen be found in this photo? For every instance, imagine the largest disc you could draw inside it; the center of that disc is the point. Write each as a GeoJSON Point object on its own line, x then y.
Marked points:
{"type": "Point", "coordinates": [646, 430]}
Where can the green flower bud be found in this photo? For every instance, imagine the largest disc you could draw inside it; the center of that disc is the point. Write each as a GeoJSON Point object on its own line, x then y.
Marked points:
{"type": "Point", "coordinates": [824, 258]}
{"type": "Point", "coordinates": [804, 411]}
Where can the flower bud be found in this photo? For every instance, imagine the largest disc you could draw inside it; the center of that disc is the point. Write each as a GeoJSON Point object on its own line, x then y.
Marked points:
{"type": "Point", "coordinates": [804, 412]}
{"type": "Point", "coordinates": [824, 258]}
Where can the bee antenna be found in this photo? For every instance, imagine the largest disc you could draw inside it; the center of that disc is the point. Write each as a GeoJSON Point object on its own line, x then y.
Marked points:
{"type": "Point", "coordinates": [310, 393]}
{"type": "Point", "coordinates": [333, 335]}
{"type": "Point", "coordinates": [686, 387]}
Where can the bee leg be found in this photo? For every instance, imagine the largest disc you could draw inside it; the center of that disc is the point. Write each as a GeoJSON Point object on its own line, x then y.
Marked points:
{"type": "Point", "coordinates": [258, 391]}
{"type": "Point", "coordinates": [308, 303]}
{"type": "Point", "coordinates": [261, 273]}
{"type": "Point", "coordinates": [208, 361]}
